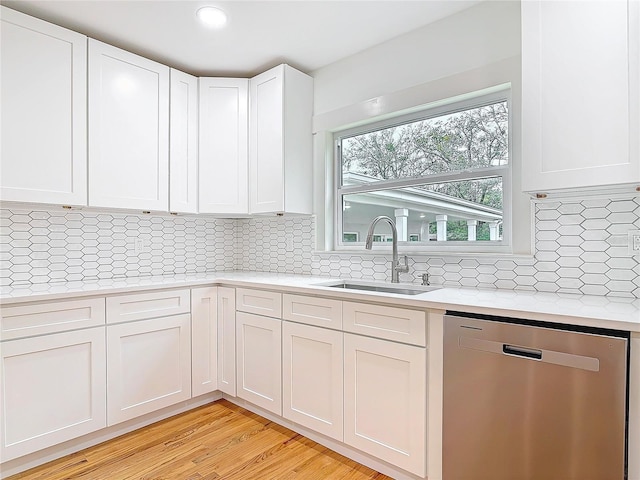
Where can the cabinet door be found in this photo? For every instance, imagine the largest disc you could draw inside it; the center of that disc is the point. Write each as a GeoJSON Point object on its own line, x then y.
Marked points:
{"type": "Point", "coordinates": [312, 378]}
{"type": "Point", "coordinates": [223, 154]}
{"type": "Point", "coordinates": [385, 401]}
{"type": "Point", "coordinates": [280, 141]}
{"type": "Point", "coordinates": [148, 365]}
{"type": "Point", "coordinates": [44, 111]}
{"type": "Point", "coordinates": [266, 177]}
{"type": "Point", "coordinates": [259, 361]}
{"type": "Point", "coordinates": [128, 130]}
{"type": "Point", "coordinates": [580, 93]}
{"type": "Point", "coordinates": [183, 143]}
{"type": "Point", "coordinates": [53, 390]}
{"type": "Point", "coordinates": [634, 406]}
{"type": "Point", "coordinates": [227, 340]}
{"type": "Point", "coordinates": [204, 340]}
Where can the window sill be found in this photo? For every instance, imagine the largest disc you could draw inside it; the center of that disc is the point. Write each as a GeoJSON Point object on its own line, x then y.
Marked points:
{"type": "Point", "coordinates": [344, 253]}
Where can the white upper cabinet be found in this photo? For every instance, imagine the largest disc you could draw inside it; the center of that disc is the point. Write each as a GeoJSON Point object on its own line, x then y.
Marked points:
{"type": "Point", "coordinates": [581, 94]}
{"type": "Point", "coordinates": [183, 143]}
{"type": "Point", "coordinates": [280, 142]}
{"type": "Point", "coordinates": [223, 145]}
{"type": "Point", "coordinates": [128, 130]}
{"type": "Point", "coordinates": [44, 125]}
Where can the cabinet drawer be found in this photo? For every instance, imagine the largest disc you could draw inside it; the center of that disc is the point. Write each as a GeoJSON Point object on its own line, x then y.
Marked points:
{"type": "Point", "coordinates": [259, 302]}
{"type": "Point", "coordinates": [42, 318]}
{"type": "Point", "coordinates": [126, 308]}
{"type": "Point", "coordinates": [322, 312]}
{"type": "Point", "coordinates": [391, 323]}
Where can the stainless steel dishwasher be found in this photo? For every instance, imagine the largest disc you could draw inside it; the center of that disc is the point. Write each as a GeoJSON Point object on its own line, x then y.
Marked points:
{"type": "Point", "coordinates": [528, 401]}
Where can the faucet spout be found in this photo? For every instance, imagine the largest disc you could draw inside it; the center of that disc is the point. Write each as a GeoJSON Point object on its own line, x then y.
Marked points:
{"type": "Point", "coordinates": [396, 268]}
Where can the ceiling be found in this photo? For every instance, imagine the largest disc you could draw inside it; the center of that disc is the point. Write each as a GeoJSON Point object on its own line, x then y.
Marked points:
{"type": "Point", "coordinates": [260, 34]}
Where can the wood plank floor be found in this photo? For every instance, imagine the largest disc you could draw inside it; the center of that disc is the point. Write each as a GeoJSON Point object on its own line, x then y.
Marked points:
{"type": "Point", "coordinates": [216, 441]}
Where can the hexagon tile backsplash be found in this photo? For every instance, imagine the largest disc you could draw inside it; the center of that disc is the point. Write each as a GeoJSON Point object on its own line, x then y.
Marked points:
{"type": "Point", "coordinates": [51, 246]}
{"type": "Point", "coordinates": [580, 247]}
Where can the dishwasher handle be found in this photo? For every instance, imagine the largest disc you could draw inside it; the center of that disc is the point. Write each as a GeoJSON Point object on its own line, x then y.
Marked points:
{"type": "Point", "coordinates": [522, 351]}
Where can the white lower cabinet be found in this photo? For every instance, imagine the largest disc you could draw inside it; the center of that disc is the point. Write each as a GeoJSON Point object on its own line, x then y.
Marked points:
{"type": "Point", "coordinates": [227, 340]}
{"type": "Point", "coordinates": [312, 378]}
{"type": "Point", "coordinates": [259, 361]}
{"type": "Point", "coordinates": [385, 401]}
{"type": "Point", "coordinates": [148, 365]}
{"type": "Point", "coordinates": [52, 390]}
{"type": "Point", "coordinates": [204, 340]}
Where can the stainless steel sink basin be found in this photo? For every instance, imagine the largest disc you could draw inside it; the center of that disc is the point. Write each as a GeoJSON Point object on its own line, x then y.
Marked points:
{"type": "Point", "coordinates": [400, 289]}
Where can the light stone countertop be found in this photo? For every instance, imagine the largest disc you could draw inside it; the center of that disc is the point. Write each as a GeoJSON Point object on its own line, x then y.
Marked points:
{"type": "Point", "coordinates": [594, 311]}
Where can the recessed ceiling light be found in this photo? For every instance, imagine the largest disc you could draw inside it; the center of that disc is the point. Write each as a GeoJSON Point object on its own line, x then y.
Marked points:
{"type": "Point", "coordinates": [212, 17]}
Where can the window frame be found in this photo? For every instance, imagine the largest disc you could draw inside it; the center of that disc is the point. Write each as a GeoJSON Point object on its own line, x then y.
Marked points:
{"type": "Point", "coordinates": [443, 108]}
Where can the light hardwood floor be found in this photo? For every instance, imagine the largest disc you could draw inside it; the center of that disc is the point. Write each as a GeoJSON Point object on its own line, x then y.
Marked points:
{"type": "Point", "coordinates": [216, 441]}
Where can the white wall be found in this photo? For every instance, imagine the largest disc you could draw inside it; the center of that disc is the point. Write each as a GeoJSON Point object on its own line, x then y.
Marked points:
{"type": "Point", "coordinates": [475, 37]}
{"type": "Point", "coordinates": [475, 50]}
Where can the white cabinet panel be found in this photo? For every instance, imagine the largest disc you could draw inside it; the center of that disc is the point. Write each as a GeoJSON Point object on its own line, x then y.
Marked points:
{"type": "Point", "coordinates": [634, 406]}
{"type": "Point", "coordinates": [128, 130]}
{"type": "Point", "coordinates": [183, 143]}
{"type": "Point", "coordinates": [227, 340]}
{"type": "Point", "coordinates": [52, 390]}
{"type": "Point", "coordinates": [581, 94]}
{"type": "Point", "coordinates": [17, 321]}
{"type": "Point", "coordinates": [312, 377]}
{"type": "Point", "coordinates": [204, 340]}
{"type": "Point", "coordinates": [148, 365]}
{"type": "Point", "coordinates": [43, 155]}
{"type": "Point", "coordinates": [259, 341]}
{"type": "Point", "coordinates": [280, 141]}
{"type": "Point", "coordinates": [391, 323]}
{"type": "Point", "coordinates": [323, 312]}
{"type": "Point", "coordinates": [385, 401]}
{"type": "Point", "coordinates": [223, 151]}
{"type": "Point", "coordinates": [138, 306]}
{"type": "Point", "coordinates": [266, 148]}
{"type": "Point", "coordinates": [260, 302]}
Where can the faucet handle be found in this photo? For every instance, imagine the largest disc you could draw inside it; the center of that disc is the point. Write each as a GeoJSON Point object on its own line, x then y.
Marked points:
{"type": "Point", "coordinates": [425, 279]}
{"type": "Point", "coordinates": [402, 268]}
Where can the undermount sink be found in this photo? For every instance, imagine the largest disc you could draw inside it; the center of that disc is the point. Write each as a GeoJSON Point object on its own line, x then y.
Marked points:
{"type": "Point", "coordinates": [400, 289]}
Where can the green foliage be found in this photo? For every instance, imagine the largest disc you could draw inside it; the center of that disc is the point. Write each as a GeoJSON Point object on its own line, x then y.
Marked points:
{"type": "Point", "coordinates": [460, 141]}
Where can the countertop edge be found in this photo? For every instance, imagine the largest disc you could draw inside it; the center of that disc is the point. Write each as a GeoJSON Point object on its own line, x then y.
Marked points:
{"type": "Point", "coordinates": [600, 312]}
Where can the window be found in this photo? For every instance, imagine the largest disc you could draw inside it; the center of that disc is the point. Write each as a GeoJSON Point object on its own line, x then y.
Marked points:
{"type": "Point", "coordinates": [443, 174]}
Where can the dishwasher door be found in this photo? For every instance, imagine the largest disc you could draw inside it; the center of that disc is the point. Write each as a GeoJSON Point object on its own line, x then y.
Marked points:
{"type": "Point", "coordinates": [525, 402]}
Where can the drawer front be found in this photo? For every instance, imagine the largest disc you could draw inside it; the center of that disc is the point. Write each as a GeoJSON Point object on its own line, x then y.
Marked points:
{"type": "Point", "coordinates": [391, 323]}
{"type": "Point", "coordinates": [259, 302]}
{"type": "Point", "coordinates": [38, 319]}
{"type": "Point", "coordinates": [140, 306]}
{"type": "Point", "coordinates": [322, 312]}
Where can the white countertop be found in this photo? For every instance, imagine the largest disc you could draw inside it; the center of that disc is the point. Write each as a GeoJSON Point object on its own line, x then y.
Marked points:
{"type": "Point", "coordinates": [605, 312]}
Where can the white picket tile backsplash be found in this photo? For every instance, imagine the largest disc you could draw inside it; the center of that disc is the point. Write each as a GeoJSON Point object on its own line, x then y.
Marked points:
{"type": "Point", "coordinates": [276, 244]}
{"type": "Point", "coordinates": [580, 247]}
{"type": "Point", "coordinates": [40, 246]}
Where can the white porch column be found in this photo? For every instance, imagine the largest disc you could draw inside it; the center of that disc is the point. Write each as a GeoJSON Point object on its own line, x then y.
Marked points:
{"type": "Point", "coordinates": [471, 230]}
{"type": "Point", "coordinates": [441, 231]}
{"type": "Point", "coordinates": [494, 230]}
{"type": "Point", "coordinates": [402, 223]}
